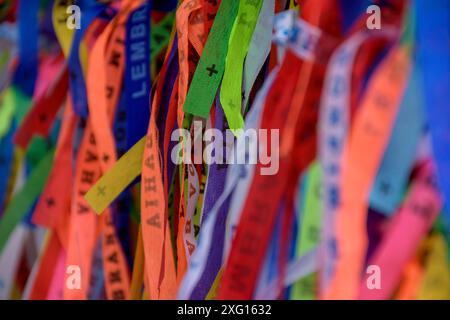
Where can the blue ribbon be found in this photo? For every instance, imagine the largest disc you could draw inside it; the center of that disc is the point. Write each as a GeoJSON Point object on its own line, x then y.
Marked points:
{"type": "Point", "coordinates": [121, 207]}
{"type": "Point", "coordinates": [392, 178]}
{"type": "Point", "coordinates": [137, 73]}
{"type": "Point", "coordinates": [433, 51]}
{"type": "Point", "coordinates": [90, 10]}
{"type": "Point", "coordinates": [25, 76]}
{"type": "Point", "coordinates": [351, 11]}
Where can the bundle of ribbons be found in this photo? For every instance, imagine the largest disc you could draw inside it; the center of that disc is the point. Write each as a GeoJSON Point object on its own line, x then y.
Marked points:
{"type": "Point", "coordinates": [224, 149]}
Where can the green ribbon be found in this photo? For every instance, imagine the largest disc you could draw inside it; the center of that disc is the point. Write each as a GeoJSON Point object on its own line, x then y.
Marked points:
{"type": "Point", "coordinates": [160, 35]}
{"type": "Point", "coordinates": [14, 103]}
{"type": "Point", "coordinates": [24, 199]}
{"type": "Point", "coordinates": [211, 66]}
{"type": "Point", "coordinates": [309, 234]}
{"type": "Point", "coordinates": [241, 35]}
